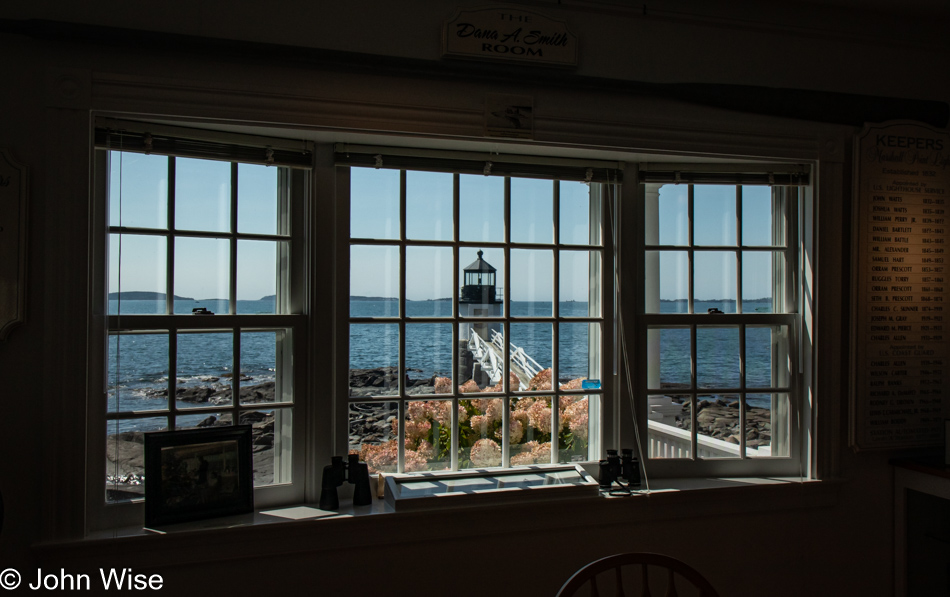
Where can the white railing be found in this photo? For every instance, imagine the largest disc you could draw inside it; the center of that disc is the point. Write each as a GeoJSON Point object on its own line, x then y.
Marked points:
{"type": "Point", "coordinates": [488, 355]}
{"type": "Point", "coordinates": [666, 441]}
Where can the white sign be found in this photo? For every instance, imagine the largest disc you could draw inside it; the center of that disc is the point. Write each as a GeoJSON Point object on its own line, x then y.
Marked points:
{"type": "Point", "coordinates": [509, 35]}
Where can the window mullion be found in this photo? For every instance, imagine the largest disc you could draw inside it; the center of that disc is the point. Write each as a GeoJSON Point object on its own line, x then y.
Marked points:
{"type": "Point", "coordinates": [232, 281]}
{"type": "Point", "coordinates": [739, 305]}
{"type": "Point", "coordinates": [691, 255]}
{"type": "Point", "coordinates": [170, 243]}
{"type": "Point", "coordinates": [456, 223]}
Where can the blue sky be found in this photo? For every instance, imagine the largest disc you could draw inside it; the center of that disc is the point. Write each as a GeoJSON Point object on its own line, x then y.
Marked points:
{"type": "Point", "coordinates": [138, 198]}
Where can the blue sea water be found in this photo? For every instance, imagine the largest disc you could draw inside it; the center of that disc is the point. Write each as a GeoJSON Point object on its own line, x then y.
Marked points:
{"type": "Point", "coordinates": [138, 364]}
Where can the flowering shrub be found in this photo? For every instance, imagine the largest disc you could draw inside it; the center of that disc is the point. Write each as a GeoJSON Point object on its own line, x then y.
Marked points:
{"type": "Point", "coordinates": [428, 429]}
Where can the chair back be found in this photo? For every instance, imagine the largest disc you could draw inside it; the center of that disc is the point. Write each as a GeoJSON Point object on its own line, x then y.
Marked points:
{"type": "Point", "coordinates": [637, 575]}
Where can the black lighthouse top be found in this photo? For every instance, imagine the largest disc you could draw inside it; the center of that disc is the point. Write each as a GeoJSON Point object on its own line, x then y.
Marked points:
{"type": "Point", "coordinates": [479, 283]}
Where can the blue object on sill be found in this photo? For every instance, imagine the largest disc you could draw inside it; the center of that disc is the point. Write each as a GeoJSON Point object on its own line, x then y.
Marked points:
{"type": "Point", "coordinates": [590, 384]}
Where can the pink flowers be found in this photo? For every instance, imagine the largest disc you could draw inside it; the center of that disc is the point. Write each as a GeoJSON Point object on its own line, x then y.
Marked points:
{"type": "Point", "coordinates": [479, 434]}
{"type": "Point", "coordinates": [486, 452]}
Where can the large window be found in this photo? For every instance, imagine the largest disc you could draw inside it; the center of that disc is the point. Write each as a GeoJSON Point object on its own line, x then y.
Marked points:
{"type": "Point", "coordinates": [472, 317]}
{"type": "Point", "coordinates": [720, 321]}
{"type": "Point", "coordinates": [201, 307]}
{"type": "Point", "coordinates": [476, 319]}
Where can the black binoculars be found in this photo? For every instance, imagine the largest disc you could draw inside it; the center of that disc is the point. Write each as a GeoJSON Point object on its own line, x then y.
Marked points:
{"type": "Point", "coordinates": [624, 467]}
{"type": "Point", "coordinates": [335, 473]}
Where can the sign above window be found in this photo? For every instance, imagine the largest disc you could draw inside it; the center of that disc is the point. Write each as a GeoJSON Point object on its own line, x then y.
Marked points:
{"type": "Point", "coordinates": [509, 35]}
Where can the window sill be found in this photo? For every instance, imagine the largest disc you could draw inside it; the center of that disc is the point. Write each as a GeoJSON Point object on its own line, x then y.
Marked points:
{"type": "Point", "coordinates": [306, 529]}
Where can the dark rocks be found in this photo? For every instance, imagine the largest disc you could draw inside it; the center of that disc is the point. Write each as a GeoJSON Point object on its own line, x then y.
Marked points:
{"type": "Point", "coordinates": [719, 419]}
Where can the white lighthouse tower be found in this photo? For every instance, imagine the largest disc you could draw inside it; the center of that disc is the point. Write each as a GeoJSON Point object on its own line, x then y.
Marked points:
{"type": "Point", "coordinates": [478, 298]}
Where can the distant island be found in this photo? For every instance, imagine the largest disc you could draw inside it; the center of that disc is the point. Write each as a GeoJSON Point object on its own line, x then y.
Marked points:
{"type": "Point", "coordinates": [372, 298]}
{"type": "Point", "coordinates": [141, 295]}
{"type": "Point", "coordinates": [269, 297]}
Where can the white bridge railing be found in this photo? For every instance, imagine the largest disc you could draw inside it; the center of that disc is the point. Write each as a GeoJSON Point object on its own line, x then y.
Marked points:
{"type": "Point", "coordinates": [666, 441]}
{"type": "Point", "coordinates": [489, 355]}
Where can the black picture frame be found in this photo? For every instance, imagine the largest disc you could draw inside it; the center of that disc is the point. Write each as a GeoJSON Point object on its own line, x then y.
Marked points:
{"type": "Point", "coordinates": [193, 474]}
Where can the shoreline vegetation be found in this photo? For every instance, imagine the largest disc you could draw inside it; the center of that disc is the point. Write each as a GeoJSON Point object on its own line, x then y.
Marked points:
{"type": "Point", "coordinates": [372, 424]}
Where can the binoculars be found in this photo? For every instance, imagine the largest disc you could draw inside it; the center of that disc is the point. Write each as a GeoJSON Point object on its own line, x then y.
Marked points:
{"type": "Point", "coordinates": [335, 473]}
{"type": "Point", "coordinates": [624, 467]}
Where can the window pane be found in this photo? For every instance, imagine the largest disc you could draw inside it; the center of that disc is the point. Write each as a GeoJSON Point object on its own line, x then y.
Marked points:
{"type": "Point", "coordinates": [260, 364]}
{"type": "Point", "coordinates": [374, 281]}
{"type": "Point", "coordinates": [532, 211]}
{"type": "Point", "coordinates": [374, 203]}
{"type": "Point", "coordinates": [768, 362]}
{"type": "Point", "coordinates": [429, 281]}
{"type": "Point", "coordinates": [767, 425]}
{"type": "Point", "coordinates": [205, 366]}
{"type": "Point", "coordinates": [481, 208]}
{"type": "Point", "coordinates": [480, 435]}
{"type": "Point", "coordinates": [717, 425]}
{"type": "Point", "coordinates": [137, 274]}
{"type": "Point", "coordinates": [429, 358]}
{"type": "Point", "coordinates": [125, 457]}
{"type": "Point", "coordinates": [270, 444]}
{"type": "Point", "coordinates": [481, 279]}
{"type": "Point", "coordinates": [428, 435]}
{"type": "Point", "coordinates": [257, 276]}
{"type": "Point", "coordinates": [578, 353]}
{"type": "Point", "coordinates": [715, 280]}
{"type": "Point", "coordinates": [138, 190]}
{"type": "Point", "coordinates": [717, 357]}
{"type": "Point", "coordinates": [577, 205]}
{"type": "Point", "coordinates": [579, 284]}
{"type": "Point", "coordinates": [673, 215]}
{"type": "Point", "coordinates": [532, 283]}
{"type": "Point", "coordinates": [574, 430]}
{"type": "Point", "coordinates": [373, 433]}
{"type": "Point", "coordinates": [258, 207]}
{"type": "Point", "coordinates": [199, 421]}
{"type": "Point", "coordinates": [670, 426]}
{"type": "Point", "coordinates": [374, 359]}
{"type": "Point", "coordinates": [762, 276]}
{"type": "Point", "coordinates": [202, 271]}
{"type": "Point", "coordinates": [667, 281]}
{"type": "Point", "coordinates": [760, 226]}
{"type": "Point", "coordinates": [481, 356]}
{"type": "Point", "coordinates": [202, 195]}
{"type": "Point", "coordinates": [668, 354]}
{"type": "Point", "coordinates": [530, 431]}
{"type": "Point", "coordinates": [531, 354]}
{"type": "Point", "coordinates": [429, 206]}
{"type": "Point", "coordinates": [138, 372]}
{"type": "Point", "coordinates": [714, 215]}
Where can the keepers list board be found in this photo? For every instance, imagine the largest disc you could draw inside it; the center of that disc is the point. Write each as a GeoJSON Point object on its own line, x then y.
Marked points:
{"type": "Point", "coordinates": [901, 317]}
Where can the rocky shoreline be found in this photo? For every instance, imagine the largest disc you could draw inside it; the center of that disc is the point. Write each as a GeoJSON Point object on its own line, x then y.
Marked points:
{"type": "Point", "coordinates": [125, 451]}
{"type": "Point", "coordinates": [371, 422]}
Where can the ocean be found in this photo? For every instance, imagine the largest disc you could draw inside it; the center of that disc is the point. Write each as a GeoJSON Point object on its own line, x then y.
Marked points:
{"type": "Point", "coordinates": [138, 364]}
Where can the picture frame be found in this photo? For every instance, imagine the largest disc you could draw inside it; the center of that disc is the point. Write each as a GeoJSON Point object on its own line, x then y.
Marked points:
{"type": "Point", "coordinates": [193, 474]}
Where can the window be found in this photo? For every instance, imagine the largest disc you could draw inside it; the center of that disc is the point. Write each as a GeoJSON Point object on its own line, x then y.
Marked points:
{"type": "Point", "coordinates": [720, 322]}
{"type": "Point", "coordinates": [203, 318]}
{"type": "Point", "coordinates": [476, 319]}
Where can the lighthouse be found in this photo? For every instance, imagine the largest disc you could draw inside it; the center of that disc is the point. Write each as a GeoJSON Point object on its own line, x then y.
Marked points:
{"type": "Point", "coordinates": [478, 297]}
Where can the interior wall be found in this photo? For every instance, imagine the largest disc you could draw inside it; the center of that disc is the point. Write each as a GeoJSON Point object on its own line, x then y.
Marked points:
{"type": "Point", "coordinates": [843, 543]}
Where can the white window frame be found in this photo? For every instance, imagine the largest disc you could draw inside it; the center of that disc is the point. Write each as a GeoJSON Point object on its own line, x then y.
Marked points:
{"type": "Point", "coordinates": [292, 316]}
{"type": "Point", "coordinates": [462, 250]}
{"type": "Point", "coordinates": [797, 304]}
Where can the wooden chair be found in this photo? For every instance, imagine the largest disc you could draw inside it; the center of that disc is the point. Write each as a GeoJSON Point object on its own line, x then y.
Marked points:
{"type": "Point", "coordinates": [648, 562]}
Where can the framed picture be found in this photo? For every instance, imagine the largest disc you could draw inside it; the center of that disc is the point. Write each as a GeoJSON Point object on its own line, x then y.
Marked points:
{"type": "Point", "coordinates": [197, 473]}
